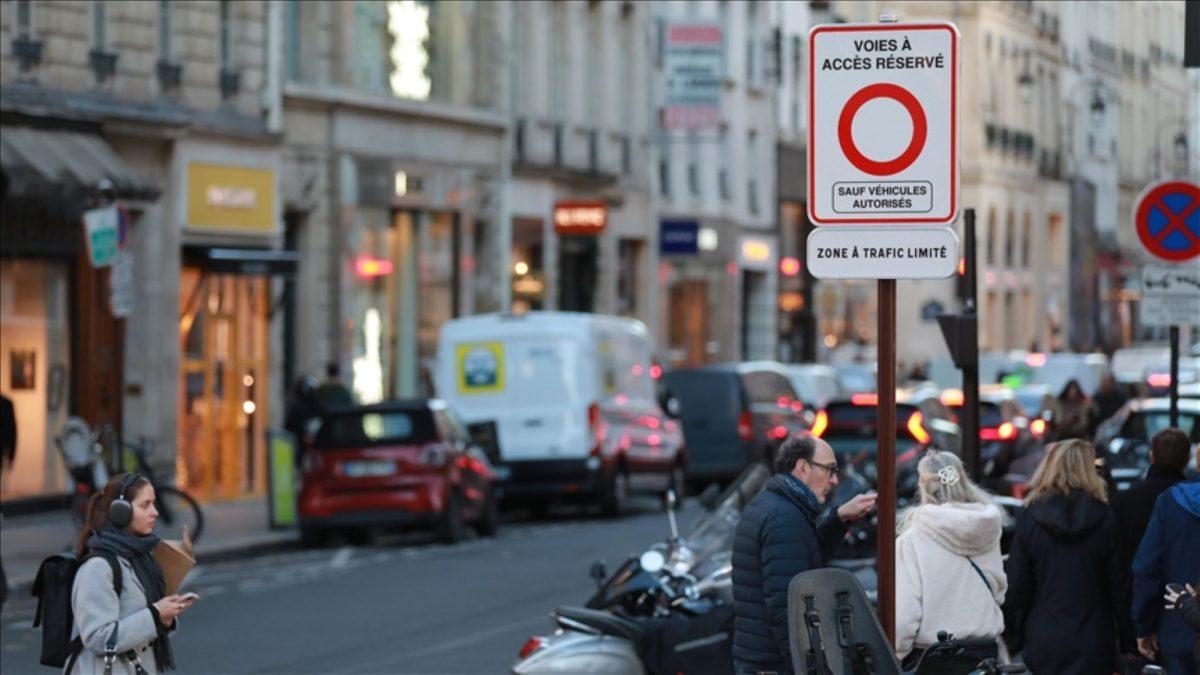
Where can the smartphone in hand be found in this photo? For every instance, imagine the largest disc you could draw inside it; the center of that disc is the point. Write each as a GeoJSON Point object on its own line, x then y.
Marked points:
{"type": "Point", "coordinates": [189, 598]}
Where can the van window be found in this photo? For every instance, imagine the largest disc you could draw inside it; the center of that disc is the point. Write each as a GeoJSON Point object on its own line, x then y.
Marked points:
{"type": "Point", "coordinates": [624, 368]}
{"type": "Point", "coordinates": [767, 388]}
{"type": "Point", "coordinates": [543, 372]}
{"type": "Point", "coordinates": [365, 429]}
{"type": "Point", "coordinates": [705, 394]}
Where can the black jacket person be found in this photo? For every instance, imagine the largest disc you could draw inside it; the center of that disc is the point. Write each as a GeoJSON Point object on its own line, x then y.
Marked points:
{"type": "Point", "coordinates": [782, 533]}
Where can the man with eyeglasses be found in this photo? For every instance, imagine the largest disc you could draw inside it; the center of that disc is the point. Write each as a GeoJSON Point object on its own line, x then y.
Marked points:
{"type": "Point", "coordinates": [784, 531]}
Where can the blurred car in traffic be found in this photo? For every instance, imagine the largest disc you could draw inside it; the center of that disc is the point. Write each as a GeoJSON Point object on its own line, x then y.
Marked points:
{"type": "Point", "coordinates": [397, 464]}
{"type": "Point", "coordinates": [856, 378]}
{"type": "Point", "coordinates": [1006, 431]}
{"type": "Point", "coordinates": [816, 384]}
{"type": "Point", "coordinates": [573, 403]}
{"type": "Point", "coordinates": [1124, 440]}
{"type": "Point", "coordinates": [850, 427]}
{"type": "Point", "coordinates": [734, 414]}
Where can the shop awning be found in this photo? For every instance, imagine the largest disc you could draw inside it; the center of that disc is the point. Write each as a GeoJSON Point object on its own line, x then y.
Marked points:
{"type": "Point", "coordinates": [40, 160]}
{"type": "Point", "coordinates": [243, 260]}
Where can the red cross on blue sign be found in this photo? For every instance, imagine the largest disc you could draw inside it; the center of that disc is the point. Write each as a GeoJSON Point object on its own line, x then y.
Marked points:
{"type": "Point", "coordinates": [1167, 219]}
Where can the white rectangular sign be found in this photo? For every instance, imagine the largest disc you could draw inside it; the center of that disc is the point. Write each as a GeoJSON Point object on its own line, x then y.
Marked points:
{"type": "Point", "coordinates": [883, 123]}
{"type": "Point", "coordinates": [891, 252]}
{"type": "Point", "coordinates": [693, 57]}
{"type": "Point", "coordinates": [1170, 296]}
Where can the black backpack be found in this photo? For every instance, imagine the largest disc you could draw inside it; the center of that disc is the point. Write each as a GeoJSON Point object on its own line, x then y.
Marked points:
{"type": "Point", "coordinates": [52, 588]}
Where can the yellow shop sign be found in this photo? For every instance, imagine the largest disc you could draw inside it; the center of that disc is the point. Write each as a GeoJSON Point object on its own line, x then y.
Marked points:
{"type": "Point", "coordinates": [230, 199]}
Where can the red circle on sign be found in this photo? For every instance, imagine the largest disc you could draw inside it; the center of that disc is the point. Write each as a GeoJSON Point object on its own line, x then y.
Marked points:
{"type": "Point", "coordinates": [1176, 222]}
{"type": "Point", "coordinates": [915, 146]}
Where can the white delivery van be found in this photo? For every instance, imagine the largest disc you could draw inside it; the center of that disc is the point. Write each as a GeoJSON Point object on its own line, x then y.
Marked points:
{"type": "Point", "coordinates": [573, 400]}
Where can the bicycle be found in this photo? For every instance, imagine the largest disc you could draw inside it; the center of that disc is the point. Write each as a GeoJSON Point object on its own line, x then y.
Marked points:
{"type": "Point", "coordinates": [83, 456]}
{"type": "Point", "coordinates": [177, 509]}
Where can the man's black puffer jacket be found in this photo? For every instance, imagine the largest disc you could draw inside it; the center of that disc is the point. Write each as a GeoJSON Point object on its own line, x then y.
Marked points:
{"type": "Point", "coordinates": [781, 534]}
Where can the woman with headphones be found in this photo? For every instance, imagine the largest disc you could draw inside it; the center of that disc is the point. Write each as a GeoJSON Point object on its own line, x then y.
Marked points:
{"type": "Point", "coordinates": [126, 634]}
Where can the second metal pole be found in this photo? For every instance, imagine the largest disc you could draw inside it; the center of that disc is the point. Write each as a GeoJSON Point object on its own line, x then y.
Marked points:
{"type": "Point", "coordinates": [885, 560]}
{"type": "Point", "coordinates": [1175, 376]}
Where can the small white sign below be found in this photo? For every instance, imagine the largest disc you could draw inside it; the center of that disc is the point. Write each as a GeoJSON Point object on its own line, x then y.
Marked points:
{"type": "Point", "coordinates": [1170, 296]}
{"type": "Point", "coordinates": [888, 252]}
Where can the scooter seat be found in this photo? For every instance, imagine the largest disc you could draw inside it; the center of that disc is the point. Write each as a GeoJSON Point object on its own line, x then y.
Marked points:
{"type": "Point", "coordinates": [605, 622]}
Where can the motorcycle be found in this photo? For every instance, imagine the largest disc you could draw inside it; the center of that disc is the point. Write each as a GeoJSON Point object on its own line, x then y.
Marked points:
{"type": "Point", "coordinates": [672, 603]}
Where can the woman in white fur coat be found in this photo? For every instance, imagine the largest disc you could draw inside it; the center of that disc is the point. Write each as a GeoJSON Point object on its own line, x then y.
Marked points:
{"type": "Point", "coordinates": [949, 574]}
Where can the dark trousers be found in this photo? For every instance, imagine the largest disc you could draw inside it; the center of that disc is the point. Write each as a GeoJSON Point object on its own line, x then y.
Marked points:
{"type": "Point", "coordinates": [963, 663]}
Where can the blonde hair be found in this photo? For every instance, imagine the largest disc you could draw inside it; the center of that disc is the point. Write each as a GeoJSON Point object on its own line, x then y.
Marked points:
{"type": "Point", "coordinates": [1068, 465]}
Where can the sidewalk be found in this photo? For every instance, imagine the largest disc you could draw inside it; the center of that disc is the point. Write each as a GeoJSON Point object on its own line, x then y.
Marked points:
{"type": "Point", "coordinates": [232, 529]}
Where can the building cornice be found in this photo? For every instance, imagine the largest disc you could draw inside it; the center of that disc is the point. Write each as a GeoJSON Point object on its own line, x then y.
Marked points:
{"type": "Point", "coordinates": [172, 119]}
{"type": "Point", "coordinates": [329, 96]}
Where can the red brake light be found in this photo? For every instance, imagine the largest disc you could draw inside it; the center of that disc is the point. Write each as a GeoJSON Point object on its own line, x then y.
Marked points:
{"type": "Point", "coordinates": [797, 406]}
{"type": "Point", "coordinates": [820, 424]}
{"type": "Point", "coordinates": [745, 426]}
{"type": "Point", "coordinates": [783, 402]}
{"type": "Point", "coordinates": [865, 399]}
{"type": "Point", "coordinates": [1159, 380]}
{"type": "Point", "coordinates": [531, 646]}
{"type": "Point", "coordinates": [655, 371]}
{"type": "Point", "coordinates": [1038, 427]}
{"type": "Point", "coordinates": [916, 427]}
{"type": "Point", "coordinates": [989, 434]}
{"type": "Point", "coordinates": [778, 433]}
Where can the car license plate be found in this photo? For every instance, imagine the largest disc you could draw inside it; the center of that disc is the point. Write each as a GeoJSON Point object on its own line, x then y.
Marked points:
{"type": "Point", "coordinates": [366, 469]}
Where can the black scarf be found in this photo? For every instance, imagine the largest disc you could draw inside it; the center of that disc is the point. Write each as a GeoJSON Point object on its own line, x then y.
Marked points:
{"type": "Point", "coordinates": [138, 551]}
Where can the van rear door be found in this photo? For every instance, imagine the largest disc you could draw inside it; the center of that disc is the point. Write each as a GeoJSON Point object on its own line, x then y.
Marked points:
{"type": "Point", "coordinates": [532, 387]}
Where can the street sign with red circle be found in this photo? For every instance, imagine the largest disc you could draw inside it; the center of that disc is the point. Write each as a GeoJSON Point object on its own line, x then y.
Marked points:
{"type": "Point", "coordinates": [1167, 219]}
{"type": "Point", "coordinates": [883, 124]}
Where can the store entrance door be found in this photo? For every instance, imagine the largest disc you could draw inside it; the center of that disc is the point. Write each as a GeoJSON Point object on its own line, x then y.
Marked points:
{"type": "Point", "coordinates": [689, 323]}
{"type": "Point", "coordinates": [223, 404]}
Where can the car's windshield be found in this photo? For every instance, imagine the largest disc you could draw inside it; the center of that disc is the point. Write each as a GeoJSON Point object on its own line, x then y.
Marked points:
{"type": "Point", "coordinates": [1144, 425]}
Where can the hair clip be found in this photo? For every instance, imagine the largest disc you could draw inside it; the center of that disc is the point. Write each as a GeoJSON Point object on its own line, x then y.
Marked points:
{"type": "Point", "coordinates": [948, 475]}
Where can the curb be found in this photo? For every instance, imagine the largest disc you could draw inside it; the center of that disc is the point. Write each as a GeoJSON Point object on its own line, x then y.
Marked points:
{"type": "Point", "coordinates": [251, 549]}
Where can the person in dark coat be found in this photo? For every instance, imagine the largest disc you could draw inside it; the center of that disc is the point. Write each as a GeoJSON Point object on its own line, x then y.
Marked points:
{"type": "Point", "coordinates": [1074, 415]}
{"type": "Point", "coordinates": [1169, 450]}
{"type": "Point", "coordinates": [8, 455]}
{"type": "Point", "coordinates": [1108, 399]}
{"type": "Point", "coordinates": [782, 533]}
{"type": "Point", "coordinates": [1064, 579]}
{"type": "Point", "coordinates": [333, 392]}
{"type": "Point", "coordinates": [1168, 554]}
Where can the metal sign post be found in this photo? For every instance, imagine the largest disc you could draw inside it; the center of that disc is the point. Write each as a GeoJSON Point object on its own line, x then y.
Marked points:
{"type": "Point", "coordinates": [883, 191]}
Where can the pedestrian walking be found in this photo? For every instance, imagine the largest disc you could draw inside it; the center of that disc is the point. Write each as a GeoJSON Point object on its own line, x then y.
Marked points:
{"type": "Point", "coordinates": [1169, 451]}
{"type": "Point", "coordinates": [784, 531]}
{"type": "Point", "coordinates": [1074, 415]}
{"type": "Point", "coordinates": [1109, 398]}
{"type": "Point", "coordinates": [129, 631]}
{"type": "Point", "coordinates": [949, 573]}
{"type": "Point", "coordinates": [333, 392]}
{"type": "Point", "coordinates": [1168, 555]}
{"type": "Point", "coordinates": [1064, 578]}
{"type": "Point", "coordinates": [1188, 606]}
{"type": "Point", "coordinates": [8, 456]}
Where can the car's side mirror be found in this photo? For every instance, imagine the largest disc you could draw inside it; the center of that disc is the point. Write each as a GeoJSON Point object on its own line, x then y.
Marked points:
{"type": "Point", "coordinates": [708, 498]}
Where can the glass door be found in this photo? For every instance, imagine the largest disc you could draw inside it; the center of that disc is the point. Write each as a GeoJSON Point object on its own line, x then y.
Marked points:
{"type": "Point", "coordinates": [224, 338]}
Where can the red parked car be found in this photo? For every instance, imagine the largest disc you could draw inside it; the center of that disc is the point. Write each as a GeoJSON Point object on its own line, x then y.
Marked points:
{"type": "Point", "coordinates": [398, 465]}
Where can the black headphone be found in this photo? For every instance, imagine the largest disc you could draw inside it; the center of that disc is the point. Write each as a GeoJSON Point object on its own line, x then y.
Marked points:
{"type": "Point", "coordinates": [120, 511]}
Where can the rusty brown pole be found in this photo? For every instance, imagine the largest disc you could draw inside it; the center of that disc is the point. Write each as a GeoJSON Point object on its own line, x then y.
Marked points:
{"type": "Point", "coordinates": [885, 561]}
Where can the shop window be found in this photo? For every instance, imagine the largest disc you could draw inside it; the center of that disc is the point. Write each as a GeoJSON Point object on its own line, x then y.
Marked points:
{"type": "Point", "coordinates": [528, 273]}
{"type": "Point", "coordinates": [577, 272]}
{"type": "Point", "coordinates": [35, 369]}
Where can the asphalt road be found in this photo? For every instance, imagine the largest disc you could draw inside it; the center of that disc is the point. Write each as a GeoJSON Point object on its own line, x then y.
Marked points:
{"type": "Point", "coordinates": [404, 605]}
